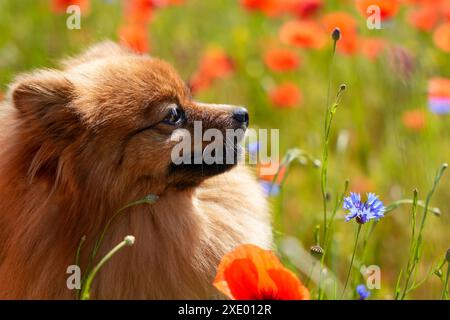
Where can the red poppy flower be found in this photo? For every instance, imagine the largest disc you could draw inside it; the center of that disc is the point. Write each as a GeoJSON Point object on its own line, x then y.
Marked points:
{"type": "Point", "coordinates": [445, 9]}
{"type": "Point", "coordinates": [135, 37]}
{"type": "Point", "coordinates": [347, 24]}
{"type": "Point", "coordinates": [305, 34]}
{"type": "Point", "coordinates": [388, 8]}
{"type": "Point", "coordinates": [138, 11]}
{"type": "Point", "coordinates": [214, 64]}
{"type": "Point", "coordinates": [439, 87]}
{"type": "Point", "coordinates": [304, 8]}
{"type": "Point", "coordinates": [287, 95]}
{"type": "Point", "coordinates": [252, 4]}
{"type": "Point", "coordinates": [441, 37]}
{"type": "Point", "coordinates": [372, 47]}
{"type": "Point", "coordinates": [60, 6]}
{"type": "Point", "coordinates": [281, 59]}
{"type": "Point", "coordinates": [414, 119]}
{"type": "Point", "coordinates": [420, 2]}
{"type": "Point", "coordinates": [342, 20]}
{"type": "Point", "coordinates": [424, 17]}
{"type": "Point", "coordinates": [174, 2]}
{"type": "Point", "coordinates": [199, 82]}
{"type": "Point", "coordinates": [268, 7]}
{"type": "Point", "coordinates": [252, 273]}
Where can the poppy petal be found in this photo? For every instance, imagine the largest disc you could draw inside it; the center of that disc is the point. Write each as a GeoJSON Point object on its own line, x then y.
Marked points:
{"type": "Point", "coordinates": [287, 95]}
{"type": "Point", "coordinates": [261, 261]}
{"type": "Point", "coordinates": [241, 280]}
{"type": "Point", "coordinates": [305, 34]}
{"type": "Point", "coordinates": [388, 8]}
{"type": "Point", "coordinates": [441, 37]}
{"type": "Point", "coordinates": [250, 272]}
{"type": "Point", "coordinates": [288, 285]}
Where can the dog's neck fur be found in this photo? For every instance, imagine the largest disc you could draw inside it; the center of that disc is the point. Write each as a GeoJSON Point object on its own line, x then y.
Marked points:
{"type": "Point", "coordinates": [49, 232]}
{"type": "Point", "coordinates": [42, 225]}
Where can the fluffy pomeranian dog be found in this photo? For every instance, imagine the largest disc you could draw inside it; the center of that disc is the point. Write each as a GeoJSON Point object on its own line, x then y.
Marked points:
{"type": "Point", "coordinates": [80, 142]}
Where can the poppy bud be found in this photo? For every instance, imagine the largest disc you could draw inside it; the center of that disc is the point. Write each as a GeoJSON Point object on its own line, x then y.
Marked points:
{"type": "Point", "coordinates": [447, 256]}
{"type": "Point", "coordinates": [316, 251]}
{"type": "Point", "coordinates": [336, 34]}
{"type": "Point", "coordinates": [151, 198]}
{"type": "Point", "coordinates": [317, 163]}
{"type": "Point", "coordinates": [129, 240]}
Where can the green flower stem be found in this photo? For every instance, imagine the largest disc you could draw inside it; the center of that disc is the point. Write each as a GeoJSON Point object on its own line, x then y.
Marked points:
{"type": "Point", "coordinates": [324, 168]}
{"type": "Point", "coordinates": [364, 246]}
{"type": "Point", "coordinates": [430, 273]}
{"type": "Point", "coordinates": [416, 243]}
{"type": "Point", "coordinates": [338, 204]}
{"type": "Point", "coordinates": [394, 205]}
{"type": "Point", "coordinates": [308, 280]}
{"type": "Point", "coordinates": [430, 194]}
{"type": "Point", "coordinates": [291, 155]}
{"type": "Point", "coordinates": [366, 239]}
{"type": "Point", "coordinates": [147, 200]}
{"type": "Point", "coordinates": [411, 252]}
{"type": "Point", "coordinates": [324, 172]}
{"type": "Point", "coordinates": [326, 242]}
{"type": "Point", "coordinates": [77, 261]}
{"type": "Point", "coordinates": [444, 295]}
{"type": "Point", "coordinates": [85, 293]}
{"type": "Point", "coordinates": [353, 258]}
{"type": "Point", "coordinates": [324, 179]}
{"type": "Point", "coordinates": [327, 124]}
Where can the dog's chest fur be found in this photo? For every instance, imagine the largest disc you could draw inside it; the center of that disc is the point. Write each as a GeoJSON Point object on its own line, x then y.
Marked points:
{"type": "Point", "coordinates": [180, 240]}
{"type": "Point", "coordinates": [182, 237]}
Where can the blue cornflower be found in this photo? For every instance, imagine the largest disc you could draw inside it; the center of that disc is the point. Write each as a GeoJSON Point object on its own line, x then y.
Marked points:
{"type": "Point", "coordinates": [362, 291]}
{"type": "Point", "coordinates": [373, 208]}
{"type": "Point", "coordinates": [270, 189]}
{"type": "Point", "coordinates": [439, 105]}
{"type": "Point", "coordinates": [253, 147]}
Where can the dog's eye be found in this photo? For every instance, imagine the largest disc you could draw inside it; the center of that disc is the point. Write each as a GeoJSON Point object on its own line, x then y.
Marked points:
{"type": "Point", "coordinates": [174, 117]}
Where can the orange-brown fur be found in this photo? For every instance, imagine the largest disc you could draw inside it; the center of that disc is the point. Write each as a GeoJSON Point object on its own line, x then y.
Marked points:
{"type": "Point", "coordinates": [65, 168]}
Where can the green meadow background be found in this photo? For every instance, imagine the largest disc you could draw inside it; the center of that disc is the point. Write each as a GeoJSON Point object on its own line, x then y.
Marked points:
{"type": "Point", "coordinates": [380, 155]}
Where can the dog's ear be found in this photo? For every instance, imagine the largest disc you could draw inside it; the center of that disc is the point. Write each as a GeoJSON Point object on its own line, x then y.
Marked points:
{"type": "Point", "coordinates": [99, 51]}
{"type": "Point", "coordinates": [38, 94]}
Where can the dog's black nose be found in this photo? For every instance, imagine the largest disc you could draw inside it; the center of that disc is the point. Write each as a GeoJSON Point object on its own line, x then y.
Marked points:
{"type": "Point", "coordinates": [241, 115]}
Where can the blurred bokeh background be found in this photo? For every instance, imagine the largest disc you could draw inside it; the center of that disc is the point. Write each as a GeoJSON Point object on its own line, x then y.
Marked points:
{"type": "Point", "coordinates": [390, 133]}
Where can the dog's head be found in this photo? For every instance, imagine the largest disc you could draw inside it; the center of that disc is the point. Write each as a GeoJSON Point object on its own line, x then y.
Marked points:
{"type": "Point", "coordinates": [113, 114]}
